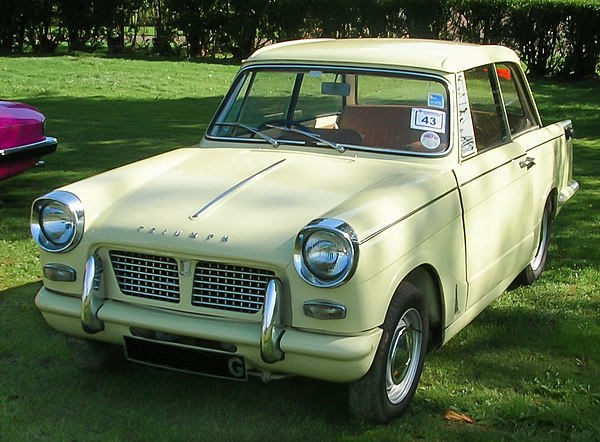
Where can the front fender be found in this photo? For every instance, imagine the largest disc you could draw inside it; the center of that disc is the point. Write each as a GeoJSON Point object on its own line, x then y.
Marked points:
{"type": "Point", "coordinates": [431, 236]}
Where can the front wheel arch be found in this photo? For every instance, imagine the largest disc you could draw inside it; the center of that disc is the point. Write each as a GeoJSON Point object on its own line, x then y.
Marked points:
{"type": "Point", "coordinates": [426, 279]}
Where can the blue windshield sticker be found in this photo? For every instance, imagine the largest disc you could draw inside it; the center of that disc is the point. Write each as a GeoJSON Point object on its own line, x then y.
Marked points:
{"type": "Point", "coordinates": [435, 100]}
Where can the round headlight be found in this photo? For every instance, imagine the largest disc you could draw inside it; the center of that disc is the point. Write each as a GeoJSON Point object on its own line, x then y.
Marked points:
{"type": "Point", "coordinates": [326, 253]}
{"type": "Point", "coordinates": [57, 221]}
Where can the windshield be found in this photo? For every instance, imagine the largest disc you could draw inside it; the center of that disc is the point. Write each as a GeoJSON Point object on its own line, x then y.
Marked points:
{"type": "Point", "coordinates": [343, 109]}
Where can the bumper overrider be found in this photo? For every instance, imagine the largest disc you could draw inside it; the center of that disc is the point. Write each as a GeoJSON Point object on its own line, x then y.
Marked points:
{"type": "Point", "coordinates": [270, 346]}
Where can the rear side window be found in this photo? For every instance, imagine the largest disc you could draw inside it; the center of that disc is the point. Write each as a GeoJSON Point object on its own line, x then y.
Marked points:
{"type": "Point", "coordinates": [487, 111]}
{"type": "Point", "coordinates": [518, 107]}
{"type": "Point", "coordinates": [500, 106]}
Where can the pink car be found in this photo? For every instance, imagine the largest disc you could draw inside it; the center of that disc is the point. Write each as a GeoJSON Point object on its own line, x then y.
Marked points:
{"type": "Point", "coordinates": [22, 140]}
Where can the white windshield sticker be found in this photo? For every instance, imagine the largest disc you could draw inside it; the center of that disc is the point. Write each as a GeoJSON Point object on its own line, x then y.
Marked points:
{"type": "Point", "coordinates": [430, 140]}
{"type": "Point", "coordinates": [428, 119]}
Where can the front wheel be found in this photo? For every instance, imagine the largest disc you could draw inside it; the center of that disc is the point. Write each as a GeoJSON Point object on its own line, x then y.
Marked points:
{"type": "Point", "coordinates": [388, 387]}
{"type": "Point", "coordinates": [534, 269]}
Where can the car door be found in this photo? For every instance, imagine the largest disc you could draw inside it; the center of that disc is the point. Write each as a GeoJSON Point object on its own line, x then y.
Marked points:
{"type": "Point", "coordinates": [495, 185]}
{"type": "Point", "coordinates": [542, 144]}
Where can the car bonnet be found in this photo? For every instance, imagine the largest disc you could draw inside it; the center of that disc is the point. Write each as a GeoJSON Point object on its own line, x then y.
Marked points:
{"type": "Point", "coordinates": [245, 203]}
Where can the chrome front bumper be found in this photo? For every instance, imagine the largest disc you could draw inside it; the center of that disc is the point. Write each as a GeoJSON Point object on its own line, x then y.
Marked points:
{"type": "Point", "coordinates": [271, 328]}
{"type": "Point", "coordinates": [265, 346]}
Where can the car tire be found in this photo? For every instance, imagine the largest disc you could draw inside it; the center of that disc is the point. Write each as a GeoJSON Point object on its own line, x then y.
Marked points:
{"type": "Point", "coordinates": [390, 384]}
{"type": "Point", "coordinates": [534, 269]}
{"type": "Point", "coordinates": [93, 356]}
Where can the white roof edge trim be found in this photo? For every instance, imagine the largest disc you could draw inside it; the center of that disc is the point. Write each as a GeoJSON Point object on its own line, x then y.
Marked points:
{"type": "Point", "coordinates": [287, 43]}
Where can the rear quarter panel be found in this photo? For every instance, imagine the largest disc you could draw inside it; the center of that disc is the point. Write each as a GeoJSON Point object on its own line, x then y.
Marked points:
{"type": "Point", "coordinates": [553, 155]}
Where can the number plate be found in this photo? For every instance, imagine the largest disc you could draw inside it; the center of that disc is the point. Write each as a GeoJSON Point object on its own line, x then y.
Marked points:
{"type": "Point", "coordinates": [187, 359]}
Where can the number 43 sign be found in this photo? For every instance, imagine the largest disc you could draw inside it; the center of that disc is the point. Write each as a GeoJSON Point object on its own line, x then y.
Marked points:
{"type": "Point", "coordinates": [428, 119]}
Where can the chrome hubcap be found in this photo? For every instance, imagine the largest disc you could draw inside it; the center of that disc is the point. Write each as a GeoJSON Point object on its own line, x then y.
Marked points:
{"type": "Point", "coordinates": [537, 259]}
{"type": "Point", "coordinates": [403, 357]}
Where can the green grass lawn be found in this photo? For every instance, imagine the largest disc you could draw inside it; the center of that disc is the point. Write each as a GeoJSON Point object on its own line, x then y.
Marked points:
{"type": "Point", "coordinates": [528, 368]}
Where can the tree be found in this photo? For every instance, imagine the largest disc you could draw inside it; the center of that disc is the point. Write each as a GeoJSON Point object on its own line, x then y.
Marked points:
{"type": "Point", "coordinates": [76, 18]}
{"type": "Point", "coordinates": [39, 33]}
{"type": "Point", "coordinates": [113, 17]}
{"type": "Point", "coordinates": [244, 25]}
{"type": "Point", "coordinates": [164, 27]}
{"type": "Point", "coordinates": [201, 21]}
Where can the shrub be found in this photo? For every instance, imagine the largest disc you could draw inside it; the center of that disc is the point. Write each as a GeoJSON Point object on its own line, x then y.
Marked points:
{"type": "Point", "coordinates": [553, 37]}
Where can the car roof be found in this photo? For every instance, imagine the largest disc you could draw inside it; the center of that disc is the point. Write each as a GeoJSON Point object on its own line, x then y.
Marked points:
{"type": "Point", "coordinates": [432, 55]}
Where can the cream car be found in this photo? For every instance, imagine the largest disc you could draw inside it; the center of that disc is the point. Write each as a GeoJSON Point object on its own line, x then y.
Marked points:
{"type": "Point", "coordinates": [352, 205]}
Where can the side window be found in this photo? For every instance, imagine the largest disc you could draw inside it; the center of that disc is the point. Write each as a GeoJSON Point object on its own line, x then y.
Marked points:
{"type": "Point", "coordinates": [518, 108]}
{"type": "Point", "coordinates": [487, 112]}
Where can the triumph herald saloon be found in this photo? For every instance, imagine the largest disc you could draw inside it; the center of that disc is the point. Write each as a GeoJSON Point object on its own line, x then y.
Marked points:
{"type": "Point", "coordinates": [22, 140]}
{"type": "Point", "coordinates": [352, 205]}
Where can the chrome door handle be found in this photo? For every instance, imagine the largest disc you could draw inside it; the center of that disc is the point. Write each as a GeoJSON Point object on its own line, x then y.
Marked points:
{"type": "Point", "coordinates": [527, 163]}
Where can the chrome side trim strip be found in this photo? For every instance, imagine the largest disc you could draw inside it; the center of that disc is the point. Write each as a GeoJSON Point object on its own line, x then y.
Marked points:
{"type": "Point", "coordinates": [399, 220]}
{"type": "Point", "coordinates": [270, 333]}
{"type": "Point", "coordinates": [228, 192]}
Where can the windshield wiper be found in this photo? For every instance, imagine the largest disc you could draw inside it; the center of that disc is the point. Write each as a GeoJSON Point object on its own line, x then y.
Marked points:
{"type": "Point", "coordinates": [254, 130]}
{"type": "Point", "coordinates": [311, 135]}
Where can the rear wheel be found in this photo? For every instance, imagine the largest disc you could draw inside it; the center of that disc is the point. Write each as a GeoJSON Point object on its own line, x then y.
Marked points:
{"type": "Point", "coordinates": [388, 387]}
{"type": "Point", "coordinates": [534, 269]}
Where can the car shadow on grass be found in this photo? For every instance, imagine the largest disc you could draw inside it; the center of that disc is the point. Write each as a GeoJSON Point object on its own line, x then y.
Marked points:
{"type": "Point", "coordinates": [509, 350]}
{"type": "Point", "coordinates": [37, 360]}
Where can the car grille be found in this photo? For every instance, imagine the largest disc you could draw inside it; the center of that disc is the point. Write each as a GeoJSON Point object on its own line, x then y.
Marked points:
{"type": "Point", "coordinates": [146, 276]}
{"type": "Point", "coordinates": [215, 285]}
{"type": "Point", "coordinates": [230, 287]}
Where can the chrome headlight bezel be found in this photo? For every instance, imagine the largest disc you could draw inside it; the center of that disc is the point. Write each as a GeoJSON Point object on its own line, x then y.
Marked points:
{"type": "Point", "coordinates": [342, 235]}
{"type": "Point", "coordinates": [70, 221]}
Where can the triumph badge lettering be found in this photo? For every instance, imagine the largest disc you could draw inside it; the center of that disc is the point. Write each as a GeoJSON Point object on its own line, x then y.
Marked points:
{"type": "Point", "coordinates": [177, 233]}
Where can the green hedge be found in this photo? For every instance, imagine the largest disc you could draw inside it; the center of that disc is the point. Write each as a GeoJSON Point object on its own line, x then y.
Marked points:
{"type": "Point", "coordinates": [553, 37]}
{"type": "Point", "coordinates": [560, 37]}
